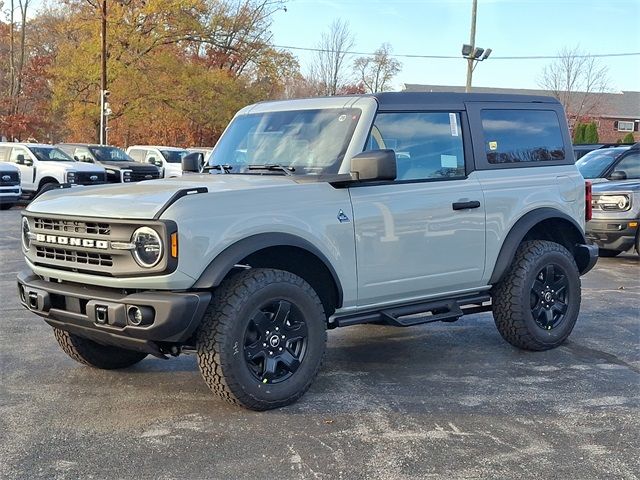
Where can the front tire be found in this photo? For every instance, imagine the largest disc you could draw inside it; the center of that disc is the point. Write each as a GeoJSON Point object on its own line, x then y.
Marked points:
{"type": "Point", "coordinates": [262, 340]}
{"type": "Point", "coordinates": [95, 355]}
{"type": "Point", "coordinates": [536, 303]}
{"type": "Point", "coordinates": [6, 206]}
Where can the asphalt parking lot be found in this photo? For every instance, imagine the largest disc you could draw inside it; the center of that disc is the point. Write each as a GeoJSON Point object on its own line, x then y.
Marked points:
{"type": "Point", "coordinates": [450, 401]}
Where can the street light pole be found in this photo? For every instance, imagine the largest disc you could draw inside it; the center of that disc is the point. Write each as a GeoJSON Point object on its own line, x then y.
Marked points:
{"type": "Point", "coordinates": [472, 42]}
{"type": "Point", "coordinates": [103, 73]}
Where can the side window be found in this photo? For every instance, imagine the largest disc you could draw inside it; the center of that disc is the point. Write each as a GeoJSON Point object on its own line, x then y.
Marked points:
{"type": "Point", "coordinates": [427, 145]}
{"type": "Point", "coordinates": [630, 165]}
{"type": "Point", "coordinates": [4, 154]}
{"type": "Point", "coordinates": [18, 151]}
{"type": "Point", "coordinates": [153, 154]}
{"type": "Point", "coordinates": [82, 153]}
{"type": "Point", "coordinates": [514, 136]}
{"type": "Point", "coordinates": [137, 154]}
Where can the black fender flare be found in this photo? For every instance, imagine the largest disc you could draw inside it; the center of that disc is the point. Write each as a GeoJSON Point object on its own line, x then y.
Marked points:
{"type": "Point", "coordinates": [520, 230]}
{"type": "Point", "coordinates": [228, 259]}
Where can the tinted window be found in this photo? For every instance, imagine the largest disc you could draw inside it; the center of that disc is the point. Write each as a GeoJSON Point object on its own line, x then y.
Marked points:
{"type": "Point", "coordinates": [594, 164]}
{"type": "Point", "coordinates": [46, 154]}
{"type": "Point", "coordinates": [427, 145]}
{"type": "Point", "coordinates": [630, 165]}
{"type": "Point", "coordinates": [109, 154]}
{"type": "Point", "coordinates": [513, 136]}
{"type": "Point", "coordinates": [173, 156]}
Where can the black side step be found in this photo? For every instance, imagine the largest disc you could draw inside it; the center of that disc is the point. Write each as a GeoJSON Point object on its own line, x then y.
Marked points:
{"type": "Point", "coordinates": [448, 310]}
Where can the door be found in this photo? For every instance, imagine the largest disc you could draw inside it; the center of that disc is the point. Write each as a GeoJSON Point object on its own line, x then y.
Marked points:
{"type": "Point", "coordinates": [423, 234]}
{"type": "Point", "coordinates": [154, 157]}
{"type": "Point", "coordinates": [21, 157]}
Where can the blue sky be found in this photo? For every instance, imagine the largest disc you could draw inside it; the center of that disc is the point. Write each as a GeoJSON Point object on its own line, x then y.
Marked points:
{"type": "Point", "coordinates": [440, 27]}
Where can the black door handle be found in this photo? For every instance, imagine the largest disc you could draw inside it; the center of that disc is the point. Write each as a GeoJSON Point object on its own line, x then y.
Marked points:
{"type": "Point", "coordinates": [465, 205]}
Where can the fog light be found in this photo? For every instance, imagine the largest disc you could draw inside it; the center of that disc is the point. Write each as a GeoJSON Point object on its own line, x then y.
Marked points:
{"type": "Point", "coordinates": [138, 316]}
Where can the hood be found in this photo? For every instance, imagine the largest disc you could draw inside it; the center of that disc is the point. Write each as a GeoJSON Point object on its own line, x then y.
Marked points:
{"type": "Point", "coordinates": [126, 164]}
{"type": "Point", "coordinates": [142, 200]}
{"type": "Point", "coordinates": [8, 167]}
{"type": "Point", "coordinates": [81, 167]}
{"type": "Point", "coordinates": [617, 186]}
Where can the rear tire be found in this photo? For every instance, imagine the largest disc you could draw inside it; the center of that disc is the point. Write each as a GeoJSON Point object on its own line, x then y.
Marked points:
{"type": "Point", "coordinates": [536, 303]}
{"type": "Point", "coordinates": [603, 252]}
{"type": "Point", "coordinates": [95, 355]}
{"type": "Point", "coordinates": [262, 340]}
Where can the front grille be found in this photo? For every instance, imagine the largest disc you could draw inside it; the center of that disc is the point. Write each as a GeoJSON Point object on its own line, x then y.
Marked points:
{"type": "Point", "coordinates": [148, 174]}
{"type": "Point", "coordinates": [74, 256]}
{"type": "Point", "coordinates": [85, 178]}
{"type": "Point", "coordinates": [14, 179]}
{"type": "Point", "coordinates": [72, 226]}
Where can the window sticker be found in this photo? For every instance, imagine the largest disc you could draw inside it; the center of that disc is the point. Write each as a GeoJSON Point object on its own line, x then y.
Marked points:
{"type": "Point", "coordinates": [493, 145]}
{"type": "Point", "coordinates": [449, 161]}
{"type": "Point", "coordinates": [453, 123]}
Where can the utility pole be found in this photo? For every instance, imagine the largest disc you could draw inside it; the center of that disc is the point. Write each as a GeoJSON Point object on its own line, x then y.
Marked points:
{"type": "Point", "coordinates": [103, 73]}
{"type": "Point", "coordinates": [472, 42]}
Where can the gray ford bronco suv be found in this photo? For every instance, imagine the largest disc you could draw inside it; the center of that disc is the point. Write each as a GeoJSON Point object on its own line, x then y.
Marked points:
{"type": "Point", "coordinates": [395, 208]}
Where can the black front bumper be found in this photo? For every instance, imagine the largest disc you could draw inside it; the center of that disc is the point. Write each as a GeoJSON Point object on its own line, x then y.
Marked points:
{"type": "Point", "coordinates": [100, 314]}
{"type": "Point", "coordinates": [613, 234]}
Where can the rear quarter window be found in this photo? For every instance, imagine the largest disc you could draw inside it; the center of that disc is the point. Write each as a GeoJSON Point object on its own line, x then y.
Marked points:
{"type": "Point", "coordinates": [137, 154]}
{"type": "Point", "coordinates": [522, 136]}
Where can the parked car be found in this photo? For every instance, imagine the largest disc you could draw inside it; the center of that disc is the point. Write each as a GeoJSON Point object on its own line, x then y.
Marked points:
{"type": "Point", "coordinates": [581, 149]}
{"type": "Point", "coordinates": [120, 167]}
{"type": "Point", "coordinates": [318, 224]}
{"type": "Point", "coordinates": [618, 163]}
{"type": "Point", "coordinates": [616, 213]}
{"type": "Point", "coordinates": [10, 190]}
{"type": "Point", "coordinates": [44, 166]}
{"type": "Point", "coordinates": [168, 159]}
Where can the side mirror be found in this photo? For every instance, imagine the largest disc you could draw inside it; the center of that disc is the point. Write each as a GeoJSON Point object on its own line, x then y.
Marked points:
{"type": "Point", "coordinates": [374, 165]}
{"type": "Point", "coordinates": [618, 175]}
{"type": "Point", "coordinates": [191, 163]}
{"type": "Point", "coordinates": [153, 161]}
{"type": "Point", "coordinates": [75, 157]}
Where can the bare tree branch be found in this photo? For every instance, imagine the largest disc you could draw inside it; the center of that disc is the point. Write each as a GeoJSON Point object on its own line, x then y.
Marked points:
{"type": "Point", "coordinates": [377, 72]}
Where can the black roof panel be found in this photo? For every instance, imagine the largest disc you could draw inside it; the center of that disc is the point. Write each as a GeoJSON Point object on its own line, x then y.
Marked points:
{"type": "Point", "coordinates": [422, 100]}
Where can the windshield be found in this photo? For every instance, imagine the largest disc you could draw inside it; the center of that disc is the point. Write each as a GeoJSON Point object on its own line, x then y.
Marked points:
{"type": "Point", "coordinates": [110, 154]}
{"type": "Point", "coordinates": [173, 156]}
{"type": "Point", "coordinates": [50, 154]}
{"type": "Point", "coordinates": [310, 141]}
{"type": "Point", "coordinates": [594, 164]}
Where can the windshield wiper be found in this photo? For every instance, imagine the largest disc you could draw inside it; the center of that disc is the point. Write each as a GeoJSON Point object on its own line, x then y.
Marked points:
{"type": "Point", "coordinates": [221, 167]}
{"type": "Point", "coordinates": [273, 167]}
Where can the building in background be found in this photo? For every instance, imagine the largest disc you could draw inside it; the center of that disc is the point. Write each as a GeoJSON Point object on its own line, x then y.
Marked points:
{"type": "Point", "coordinates": [615, 114]}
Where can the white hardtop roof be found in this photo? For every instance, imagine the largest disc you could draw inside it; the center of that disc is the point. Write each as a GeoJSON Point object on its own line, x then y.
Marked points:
{"type": "Point", "coordinates": [159, 147]}
{"type": "Point", "coordinates": [27, 144]}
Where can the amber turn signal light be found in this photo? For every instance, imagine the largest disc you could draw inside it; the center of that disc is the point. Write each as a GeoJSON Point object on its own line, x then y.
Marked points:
{"type": "Point", "coordinates": [174, 245]}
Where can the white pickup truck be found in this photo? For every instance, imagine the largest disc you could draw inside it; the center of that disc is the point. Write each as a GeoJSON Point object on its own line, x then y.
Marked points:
{"type": "Point", "coordinates": [43, 167]}
{"type": "Point", "coordinates": [9, 185]}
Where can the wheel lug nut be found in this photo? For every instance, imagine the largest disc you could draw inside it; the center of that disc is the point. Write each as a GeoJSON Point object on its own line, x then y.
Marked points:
{"type": "Point", "coordinates": [280, 349]}
{"type": "Point", "coordinates": [264, 344]}
{"type": "Point", "coordinates": [268, 332]}
{"type": "Point", "coordinates": [283, 336]}
{"type": "Point", "coordinates": [270, 352]}
{"type": "Point", "coordinates": [277, 329]}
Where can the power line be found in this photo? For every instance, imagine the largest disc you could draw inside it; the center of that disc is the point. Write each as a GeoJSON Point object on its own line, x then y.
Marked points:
{"type": "Point", "coordinates": [447, 57]}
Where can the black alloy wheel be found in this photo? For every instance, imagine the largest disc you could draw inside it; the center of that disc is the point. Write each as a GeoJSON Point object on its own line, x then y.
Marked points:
{"type": "Point", "coordinates": [549, 297]}
{"type": "Point", "coordinates": [275, 341]}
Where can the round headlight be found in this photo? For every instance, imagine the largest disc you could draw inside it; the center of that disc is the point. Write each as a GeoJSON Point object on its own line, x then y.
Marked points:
{"type": "Point", "coordinates": [26, 234]}
{"type": "Point", "coordinates": [148, 247]}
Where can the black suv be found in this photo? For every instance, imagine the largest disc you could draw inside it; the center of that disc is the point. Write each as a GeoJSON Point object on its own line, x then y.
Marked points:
{"type": "Point", "coordinates": [120, 167]}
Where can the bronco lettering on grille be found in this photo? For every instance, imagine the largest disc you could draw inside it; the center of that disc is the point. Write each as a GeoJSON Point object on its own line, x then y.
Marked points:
{"type": "Point", "coordinates": [72, 241]}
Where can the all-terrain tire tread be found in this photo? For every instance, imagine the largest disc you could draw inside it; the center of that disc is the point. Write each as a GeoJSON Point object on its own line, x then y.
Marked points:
{"type": "Point", "coordinates": [215, 329]}
{"type": "Point", "coordinates": [89, 353]}
{"type": "Point", "coordinates": [509, 308]}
